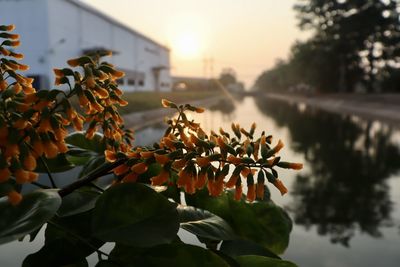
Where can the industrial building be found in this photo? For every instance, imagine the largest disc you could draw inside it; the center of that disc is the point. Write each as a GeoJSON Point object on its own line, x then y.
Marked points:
{"type": "Point", "coordinates": [53, 31]}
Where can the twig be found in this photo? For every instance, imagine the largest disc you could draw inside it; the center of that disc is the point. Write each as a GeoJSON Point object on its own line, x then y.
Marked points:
{"type": "Point", "coordinates": [53, 184]}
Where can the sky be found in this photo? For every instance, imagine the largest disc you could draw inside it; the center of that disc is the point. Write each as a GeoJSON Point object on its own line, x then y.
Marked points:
{"type": "Point", "coordinates": [207, 36]}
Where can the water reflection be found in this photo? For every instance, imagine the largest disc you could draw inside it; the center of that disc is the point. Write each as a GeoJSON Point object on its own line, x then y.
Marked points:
{"type": "Point", "coordinates": [345, 188]}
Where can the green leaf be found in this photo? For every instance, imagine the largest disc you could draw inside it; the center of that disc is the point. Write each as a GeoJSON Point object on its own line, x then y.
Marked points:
{"type": "Point", "coordinates": [57, 164]}
{"type": "Point", "coordinates": [177, 255]}
{"type": "Point", "coordinates": [204, 224]}
{"type": "Point", "coordinates": [68, 241]}
{"type": "Point", "coordinates": [34, 210]}
{"type": "Point", "coordinates": [135, 215]}
{"type": "Point", "coordinates": [91, 165]}
{"type": "Point", "coordinates": [259, 261]}
{"type": "Point", "coordinates": [79, 156]}
{"type": "Point", "coordinates": [239, 247]}
{"type": "Point", "coordinates": [79, 201]}
{"type": "Point", "coordinates": [261, 222]}
{"type": "Point", "coordinates": [95, 144]}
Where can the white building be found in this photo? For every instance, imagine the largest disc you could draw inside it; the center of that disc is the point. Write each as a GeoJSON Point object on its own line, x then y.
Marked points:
{"type": "Point", "coordinates": [53, 31]}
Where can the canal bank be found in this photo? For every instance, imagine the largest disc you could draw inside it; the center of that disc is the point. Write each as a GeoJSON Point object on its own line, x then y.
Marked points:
{"type": "Point", "coordinates": [384, 107]}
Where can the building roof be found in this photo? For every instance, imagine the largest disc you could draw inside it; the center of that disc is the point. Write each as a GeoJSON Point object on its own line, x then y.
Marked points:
{"type": "Point", "coordinates": [110, 19]}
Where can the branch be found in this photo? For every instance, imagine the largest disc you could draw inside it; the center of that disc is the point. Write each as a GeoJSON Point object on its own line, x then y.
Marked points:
{"type": "Point", "coordinates": [87, 180]}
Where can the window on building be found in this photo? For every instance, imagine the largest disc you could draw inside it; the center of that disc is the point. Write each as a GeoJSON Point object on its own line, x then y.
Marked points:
{"type": "Point", "coordinates": [141, 83]}
{"type": "Point", "coordinates": [120, 81]}
{"type": "Point", "coordinates": [131, 82]}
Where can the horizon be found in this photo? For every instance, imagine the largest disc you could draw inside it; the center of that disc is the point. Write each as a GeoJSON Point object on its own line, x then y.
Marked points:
{"type": "Point", "coordinates": [201, 39]}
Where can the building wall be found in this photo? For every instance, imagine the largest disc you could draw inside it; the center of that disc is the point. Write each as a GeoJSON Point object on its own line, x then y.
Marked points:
{"type": "Point", "coordinates": [69, 28]}
{"type": "Point", "coordinates": [30, 18]}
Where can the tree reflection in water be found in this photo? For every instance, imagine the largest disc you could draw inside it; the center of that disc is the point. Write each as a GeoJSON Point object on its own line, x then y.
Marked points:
{"type": "Point", "coordinates": [349, 162]}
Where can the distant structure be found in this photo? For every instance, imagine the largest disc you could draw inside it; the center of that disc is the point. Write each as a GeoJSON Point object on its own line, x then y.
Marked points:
{"type": "Point", "coordinates": [53, 31]}
{"type": "Point", "coordinates": [183, 83]}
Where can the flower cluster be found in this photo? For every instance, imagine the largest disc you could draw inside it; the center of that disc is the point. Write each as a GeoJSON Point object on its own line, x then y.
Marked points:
{"type": "Point", "coordinates": [216, 161]}
{"type": "Point", "coordinates": [33, 124]}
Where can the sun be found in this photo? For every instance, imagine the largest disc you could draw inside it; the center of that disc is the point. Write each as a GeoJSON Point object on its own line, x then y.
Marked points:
{"type": "Point", "coordinates": [187, 45]}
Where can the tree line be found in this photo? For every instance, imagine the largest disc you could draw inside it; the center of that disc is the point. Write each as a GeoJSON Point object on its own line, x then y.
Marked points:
{"type": "Point", "coordinates": [354, 47]}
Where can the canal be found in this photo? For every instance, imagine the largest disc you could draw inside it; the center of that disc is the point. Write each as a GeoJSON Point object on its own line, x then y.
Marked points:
{"type": "Point", "coordinates": [345, 203]}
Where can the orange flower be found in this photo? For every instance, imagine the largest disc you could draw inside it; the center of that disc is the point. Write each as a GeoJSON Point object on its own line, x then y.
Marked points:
{"type": "Point", "coordinates": [3, 85]}
{"type": "Point", "coordinates": [190, 186]}
{"type": "Point", "coordinates": [3, 132]}
{"type": "Point", "coordinates": [245, 172]}
{"type": "Point", "coordinates": [296, 166]}
{"type": "Point", "coordinates": [203, 162]}
{"type": "Point", "coordinates": [234, 159]}
{"type": "Point", "coordinates": [4, 175]}
{"type": "Point", "coordinates": [45, 126]}
{"type": "Point", "coordinates": [199, 110]}
{"type": "Point", "coordinates": [121, 169]}
{"type": "Point", "coordinates": [238, 192]}
{"type": "Point", "coordinates": [17, 55]}
{"type": "Point", "coordinates": [260, 191]}
{"type": "Point", "coordinates": [183, 178]}
{"type": "Point", "coordinates": [78, 123]}
{"type": "Point", "coordinates": [110, 155]}
{"type": "Point", "coordinates": [179, 164]}
{"type": "Point", "coordinates": [201, 180]}
{"type": "Point", "coordinates": [281, 187]}
{"type": "Point", "coordinates": [32, 176]}
{"type": "Point", "coordinates": [11, 150]}
{"type": "Point", "coordinates": [60, 134]}
{"type": "Point", "coordinates": [73, 62]}
{"type": "Point", "coordinates": [232, 181]}
{"type": "Point", "coordinates": [122, 102]}
{"type": "Point", "coordinates": [90, 82]}
{"type": "Point", "coordinates": [29, 162]}
{"type": "Point", "coordinates": [161, 178]}
{"type": "Point", "coordinates": [62, 147]}
{"type": "Point", "coordinates": [38, 148]}
{"type": "Point", "coordinates": [21, 176]}
{"type": "Point", "coordinates": [147, 154]}
{"type": "Point", "coordinates": [165, 103]}
{"type": "Point", "coordinates": [130, 177]}
{"type": "Point", "coordinates": [14, 197]}
{"type": "Point", "coordinates": [251, 192]}
{"type": "Point", "coordinates": [50, 149]}
{"type": "Point", "coordinates": [278, 147]}
{"type": "Point", "coordinates": [102, 93]}
{"type": "Point", "coordinates": [23, 67]}
{"type": "Point", "coordinates": [161, 158]}
{"type": "Point", "coordinates": [4, 51]}
{"type": "Point", "coordinates": [58, 73]}
{"type": "Point", "coordinates": [139, 168]}
{"type": "Point", "coordinates": [117, 74]}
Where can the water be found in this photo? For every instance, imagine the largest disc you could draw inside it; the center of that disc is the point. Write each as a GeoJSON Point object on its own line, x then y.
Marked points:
{"type": "Point", "coordinates": [344, 203]}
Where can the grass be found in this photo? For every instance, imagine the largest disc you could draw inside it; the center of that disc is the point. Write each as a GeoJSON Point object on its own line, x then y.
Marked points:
{"type": "Point", "coordinates": [140, 101]}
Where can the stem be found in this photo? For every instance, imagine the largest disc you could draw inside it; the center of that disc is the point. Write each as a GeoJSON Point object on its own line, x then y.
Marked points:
{"type": "Point", "coordinates": [97, 173]}
{"type": "Point", "coordinates": [41, 185]}
{"type": "Point", "coordinates": [92, 184]}
{"type": "Point", "coordinates": [53, 184]}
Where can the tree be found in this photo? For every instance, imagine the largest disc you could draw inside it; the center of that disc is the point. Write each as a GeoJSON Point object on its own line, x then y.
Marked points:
{"type": "Point", "coordinates": [361, 33]}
